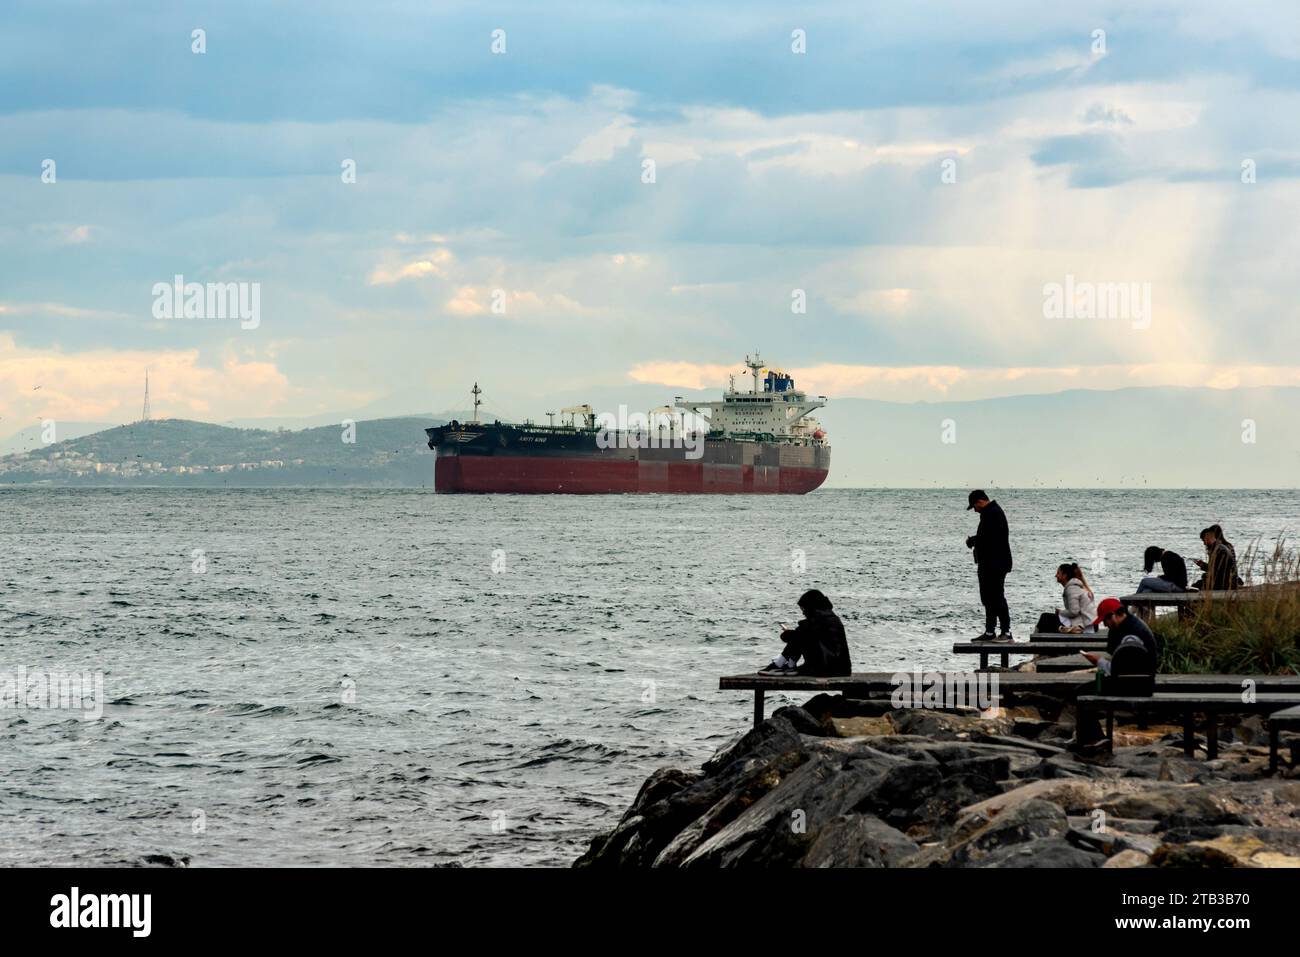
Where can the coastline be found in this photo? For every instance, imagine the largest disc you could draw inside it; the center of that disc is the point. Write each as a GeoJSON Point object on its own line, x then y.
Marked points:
{"type": "Point", "coordinates": [843, 782]}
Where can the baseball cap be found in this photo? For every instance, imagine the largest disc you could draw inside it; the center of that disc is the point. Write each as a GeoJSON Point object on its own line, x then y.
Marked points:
{"type": "Point", "coordinates": [1106, 607]}
{"type": "Point", "coordinates": [974, 497]}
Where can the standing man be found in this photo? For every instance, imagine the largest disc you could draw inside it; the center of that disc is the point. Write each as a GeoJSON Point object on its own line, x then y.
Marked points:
{"type": "Point", "coordinates": [992, 545]}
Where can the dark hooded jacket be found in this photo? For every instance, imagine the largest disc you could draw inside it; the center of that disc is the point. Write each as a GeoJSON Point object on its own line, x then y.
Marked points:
{"type": "Point", "coordinates": [820, 639]}
{"type": "Point", "coordinates": [992, 540]}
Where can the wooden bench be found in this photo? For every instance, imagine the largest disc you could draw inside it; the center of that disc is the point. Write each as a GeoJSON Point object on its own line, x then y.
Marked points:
{"type": "Point", "coordinates": [1185, 704]}
{"type": "Point", "coordinates": [1007, 648]}
{"type": "Point", "coordinates": [1286, 719]}
{"type": "Point", "coordinates": [867, 684]}
{"type": "Point", "coordinates": [1145, 603]}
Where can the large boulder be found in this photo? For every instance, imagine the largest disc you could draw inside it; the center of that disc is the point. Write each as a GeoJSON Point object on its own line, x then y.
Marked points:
{"type": "Point", "coordinates": [745, 770]}
{"type": "Point", "coordinates": [1026, 821]}
{"type": "Point", "coordinates": [1173, 805]}
{"type": "Point", "coordinates": [859, 840]}
{"type": "Point", "coordinates": [895, 796]}
{"type": "Point", "coordinates": [947, 725]}
{"type": "Point", "coordinates": [1041, 852]}
{"type": "Point", "coordinates": [779, 829]}
{"type": "Point", "coordinates": [801, 720]}
{"type": "Point", "coordinates": [770, 738]}
{"type": "Point", "coordinates": [861, 726]}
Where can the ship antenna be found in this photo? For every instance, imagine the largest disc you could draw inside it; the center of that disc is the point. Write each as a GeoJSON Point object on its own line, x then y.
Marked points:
{"type": "Point", "coordinates": [477, 392]}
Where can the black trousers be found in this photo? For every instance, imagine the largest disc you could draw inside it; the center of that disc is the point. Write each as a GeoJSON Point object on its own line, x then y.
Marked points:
{"type": "Point", "coordinates": [994, 599]}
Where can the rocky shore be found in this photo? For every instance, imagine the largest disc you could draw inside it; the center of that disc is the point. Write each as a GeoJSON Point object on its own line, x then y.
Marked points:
{"type": "Point", "coordinates": [847, 783]}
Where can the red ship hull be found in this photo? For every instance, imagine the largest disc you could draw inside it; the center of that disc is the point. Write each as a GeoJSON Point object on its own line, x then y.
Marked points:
{"type": "Point", "coordinates": [533, 475]}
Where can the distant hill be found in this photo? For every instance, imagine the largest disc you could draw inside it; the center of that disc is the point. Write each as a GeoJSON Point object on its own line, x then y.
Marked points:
{"type": "Point", "coordinates": [385, 452]}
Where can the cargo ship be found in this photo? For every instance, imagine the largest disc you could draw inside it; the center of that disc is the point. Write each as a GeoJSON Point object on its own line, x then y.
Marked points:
{"type": "Point", "coordinates": [760, 441]}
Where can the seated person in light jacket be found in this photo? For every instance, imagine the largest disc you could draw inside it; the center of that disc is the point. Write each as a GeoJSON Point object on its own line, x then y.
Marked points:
{"type": "Point", "coordinates": [1080, 604]}
{"type": "Point", "coordinates": [818, 639]}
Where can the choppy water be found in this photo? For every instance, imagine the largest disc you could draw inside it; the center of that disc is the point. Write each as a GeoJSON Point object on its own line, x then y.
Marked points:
{"type": "Point", "coordinates": [393, 677]}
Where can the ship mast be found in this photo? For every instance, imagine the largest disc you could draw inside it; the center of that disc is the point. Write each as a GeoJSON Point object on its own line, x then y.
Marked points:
{"type": "Point", "coordinates": [755, 365]}
{"type": "Point", "coordinates": [477, 392]}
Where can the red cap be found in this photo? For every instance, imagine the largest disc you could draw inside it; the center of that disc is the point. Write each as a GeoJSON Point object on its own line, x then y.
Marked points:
{"type": "Point", "coordinates": [1108, 606]}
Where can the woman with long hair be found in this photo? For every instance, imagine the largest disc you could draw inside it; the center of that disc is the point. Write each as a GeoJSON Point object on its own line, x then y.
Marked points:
{"type": "Point", "coordinates": [1173, 571]}
{"type": "Point", "coordinates": [1080, 604]}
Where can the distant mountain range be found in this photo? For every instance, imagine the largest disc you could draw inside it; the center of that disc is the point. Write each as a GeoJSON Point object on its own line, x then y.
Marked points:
{"type": "Point", "coordinates": [1125, 438]}
{"type": "Point", "coordinates": [1158, 438]}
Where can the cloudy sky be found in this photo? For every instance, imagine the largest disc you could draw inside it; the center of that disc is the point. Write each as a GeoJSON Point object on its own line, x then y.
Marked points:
{"type": "Point", "coordinates": [920, 174]}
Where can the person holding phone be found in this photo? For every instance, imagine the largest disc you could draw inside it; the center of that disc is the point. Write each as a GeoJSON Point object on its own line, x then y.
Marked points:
{"type": "Point", "coordinates": [818, 639]}
{"type": "Point", "coordinates": [991, 545]}
{"type": "Point", "coordinates": [1219, 564]}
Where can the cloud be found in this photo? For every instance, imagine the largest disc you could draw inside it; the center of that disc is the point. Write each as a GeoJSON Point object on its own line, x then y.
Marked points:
{"type": "Point", "coordinates": [466, 302]}
{"type": "Point", "coordinates": [434, 263]}
{"type": "Point", "coordinates": [1107, 115]}
{"type": "Point", "coordinates": [108, 385]}
{"type": "Point", "coordinates": [685, 375]}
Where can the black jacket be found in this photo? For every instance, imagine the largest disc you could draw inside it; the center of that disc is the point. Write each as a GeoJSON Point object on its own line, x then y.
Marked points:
{"type": "Point", "coordinates": [992, 540]}
{"type": "Point", "coordinates": [1132, 625]}
{"type": "Point", "coordinates": [1173, 569]}
{"type": "Point", "coordinates": [819, 638]}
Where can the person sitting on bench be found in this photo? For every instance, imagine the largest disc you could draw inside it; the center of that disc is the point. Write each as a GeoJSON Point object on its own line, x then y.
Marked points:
{"type": "Point", "coordinates": [1080, 604]}
{"type": "Point", "coordinates": [1123, 630]}
{"type": "Point", "coordinates": [1120, 625]}
{"type": "Point", "coordinates": [1219, 564]}
{"type": "Point", "coordinates": [1173, 571]}
{"type": "Point", "coordinates": [818, 639]}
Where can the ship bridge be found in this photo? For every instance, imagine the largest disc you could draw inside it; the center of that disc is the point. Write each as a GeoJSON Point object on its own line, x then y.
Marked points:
{"type": "Point", "coordinates": [776, 412]}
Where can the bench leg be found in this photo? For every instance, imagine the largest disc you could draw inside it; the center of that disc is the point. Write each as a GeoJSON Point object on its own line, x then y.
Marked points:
{"type": "Point", "coordinates": [1005, 659]}
{"type": "Point", "coordinates": [1211, 736]}
{"type": "Point", "coordinates": [1110, 730]}
{"type": "Point", "coordinates": [758, 706]}
{"type": "Point", "coordinates": [1189, 735]}
{"type": "Point", "coordinates": [984, 661]}
{"type": "Point", "coordinates": [1272, 748]}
